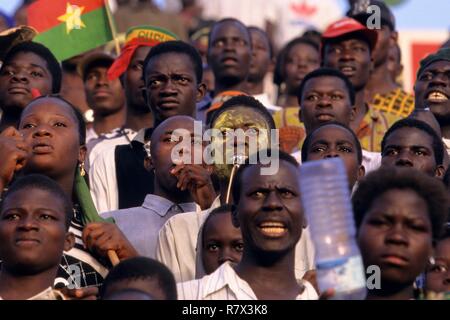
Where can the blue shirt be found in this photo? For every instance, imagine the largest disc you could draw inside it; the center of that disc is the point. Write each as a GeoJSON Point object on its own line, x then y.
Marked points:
{"type": "Point", "coordinates": [141, 225]}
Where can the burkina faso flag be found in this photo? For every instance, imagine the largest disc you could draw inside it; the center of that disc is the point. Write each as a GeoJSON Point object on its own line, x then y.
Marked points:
{"type": "Point", "coordinates": [70, 27]}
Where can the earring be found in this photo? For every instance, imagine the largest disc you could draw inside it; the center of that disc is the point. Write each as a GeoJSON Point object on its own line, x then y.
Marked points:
{"type": "Point", "coordinates": [82, 171]}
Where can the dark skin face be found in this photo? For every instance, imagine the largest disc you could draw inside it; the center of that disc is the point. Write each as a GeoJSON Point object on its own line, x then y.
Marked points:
{"type": "Point", "coordinates": [352, 58]}
{"type": "Point", "coordinates": [269, 211]}
{"type": "Point", "coordinates": [230, 52]}
{"type": "Point", "coordinates": [333, 141]}
{"type": "Point", "coordinates": [103, 95]}
{"type": "Point", "coordinates": [261, 61]}
{"type": "Point", "coordinates": [134, 84]}
{"type": "Point", "coordinates": [432, 89]}
{"type": "Point", "coordinates": [395, 234]}
{"type": "Point", "coordinates": [300, 60]}
{"type": "Point", "coordinates": [325, 99]}
{"type": "Point", "coordinates": [50, 128]}
{"type": "Point", "coordinates": [163, 144]}
{"type": "Point", "coordinates": [33, 232]}
{"type": "Point", "coordinates": [25, 71]}
{"type": "Point", "coordinates": [172, 86]}
{"type": "Point", "coordinates": [438, 274]}
{"type": "Point", "coordinates": [222, 242]}
{"type": "Point", "coordinates": [411, 147]}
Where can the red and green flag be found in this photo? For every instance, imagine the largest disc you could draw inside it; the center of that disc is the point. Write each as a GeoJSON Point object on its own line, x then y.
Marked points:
{"type": "Point", "coordinates": [70, 27]}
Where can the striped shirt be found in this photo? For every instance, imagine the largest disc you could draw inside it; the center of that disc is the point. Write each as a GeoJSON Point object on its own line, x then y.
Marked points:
{"type": "Point", "coordinates": [78, 267]}
{"type": "Point", "coordinates": [225, 284]}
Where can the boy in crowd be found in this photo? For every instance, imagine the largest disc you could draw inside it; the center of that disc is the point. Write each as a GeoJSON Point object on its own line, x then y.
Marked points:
{"type": "Point", "coordinates": [413, 143]}
{"type": "Point", "coordinates": [34, 221]}
{"type": "Point", "coordinates": [398, 213]}
{"type": "Point", "coordinates": [28, 70]}
{"type": "Point", "coordinates": [178, 187]}
{"type": "Point", "coordinates": [172, 75]}
{"type": "Point", "coordinates": [219, 241]}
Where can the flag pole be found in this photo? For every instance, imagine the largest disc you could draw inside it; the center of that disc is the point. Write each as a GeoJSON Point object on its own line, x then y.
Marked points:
{"type": "Point", "coordinates": [112, 27]}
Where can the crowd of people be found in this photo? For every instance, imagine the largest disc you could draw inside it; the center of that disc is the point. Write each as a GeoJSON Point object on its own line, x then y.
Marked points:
{"type": "Point", "coordinates": [96, 203]}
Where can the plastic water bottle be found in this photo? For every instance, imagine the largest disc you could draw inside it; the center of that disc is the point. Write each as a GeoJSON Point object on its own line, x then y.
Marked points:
{"type": "Point", "coordinates": [325, 195]}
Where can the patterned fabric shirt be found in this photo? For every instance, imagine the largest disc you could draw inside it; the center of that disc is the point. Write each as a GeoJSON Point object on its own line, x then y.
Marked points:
{"type": "Point", "coordinates": [292, 131]}
{"type": "Point", "coordinates": [396, 102]}
{"type": "Point", "coordinates": [373, 127]}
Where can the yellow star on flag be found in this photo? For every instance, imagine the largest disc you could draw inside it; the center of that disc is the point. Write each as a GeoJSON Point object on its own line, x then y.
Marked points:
{"type": "Point", "coordinates": [72, 17]}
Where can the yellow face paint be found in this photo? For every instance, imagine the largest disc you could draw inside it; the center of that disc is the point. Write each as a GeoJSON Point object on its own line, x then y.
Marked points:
{"type": "Point", "coordinates": [253, 125]}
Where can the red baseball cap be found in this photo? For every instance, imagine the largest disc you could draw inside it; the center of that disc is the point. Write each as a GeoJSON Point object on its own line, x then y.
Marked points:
{"type": "Point", "coordinates": [346, 26]}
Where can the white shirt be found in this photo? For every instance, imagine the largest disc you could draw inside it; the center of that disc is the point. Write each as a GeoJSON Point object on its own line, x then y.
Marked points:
{"type": "Point", "coordinates": [90, 135]}
{"type": "Point", "coordinates": [446, 144]}
{"type": "Point", "coordinates": [225, 284]}
{"type": "Point", "coordinates": [264, 99]}
{"type": "Point", "coordinates": [370, 160]}
{"type": "Point", "coordinates": [107, 141]}
{"type": "Point", "coordinates": [103, 178]}
{"type": "Point", "coordinates": [177, 242]}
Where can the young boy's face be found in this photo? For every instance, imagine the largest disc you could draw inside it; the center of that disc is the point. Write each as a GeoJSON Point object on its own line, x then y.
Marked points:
{"type": "Point", "coordinates": [25, 71]}
{"type": "Point", "coordinates": [438, 274]}
{"type": "Point", "coordinates": [325, 99]}
{"type": "Point", "coordinates": [333, 141]}
{"type": "Point", "coordinates": [33, 231]}
{"type": "Point", "coordinates": [411, 147]}
{"type": "Point", "coordinates": [221, 242]}
{"type": "Point", "coordinates": [396, 235]}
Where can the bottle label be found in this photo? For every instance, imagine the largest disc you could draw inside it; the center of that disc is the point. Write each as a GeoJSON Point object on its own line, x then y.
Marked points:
{"type": "Point", "coordinates": [342, 275]}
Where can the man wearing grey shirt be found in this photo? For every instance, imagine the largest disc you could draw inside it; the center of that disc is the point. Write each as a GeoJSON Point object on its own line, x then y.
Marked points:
{"type": "Point", "coordinates": [179, 187]}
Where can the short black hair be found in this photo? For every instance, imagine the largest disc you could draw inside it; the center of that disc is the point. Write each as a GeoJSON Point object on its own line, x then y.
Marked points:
{"type": "Point", "coordinates": [326, 72]}
{"type": "Point", "coordinates": [279, 76]}
{"type": "Point", "coordinates": [438, 146]}
{"type": "Point", "coordinates": [226, 20]}
{"type": "Point", "coordinates": [237, 183]}
{"type": "Point", "coordinates": [42, 51]}
{"type": "Point", "coordinates": [78, 116]}
{"type": "Point", "coordinates": [307, 141]}
{"type": "Point", "coordinates": [44, 183]}
{"type": "Point", "coordinates": [243, 101]}
{"type": "Point", "coordinates": [142, 268]}
{"type": "Point", "coordinates": [254, 28]}
{"type": "Point", "coordinates": [225, 208]}
{"type": "Point", "coordinates": [180, 47]}
{"type": "Point", "coordinates": [430, 189]}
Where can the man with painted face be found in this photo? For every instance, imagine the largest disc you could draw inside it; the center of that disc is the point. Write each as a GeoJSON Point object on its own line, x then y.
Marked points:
{"type": "Point", "coordinates": [432, 89]}
{"type": "Point", "coordinates": [172, 75]}
{"type": "Point", "coordinates": [270, 215]}
{"type": "Point", "coordinates": [381, 91]}
{"type": "Point", "coordinates": [347, 46]}
{"type": "Point", "coordinates": [178, 237]}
